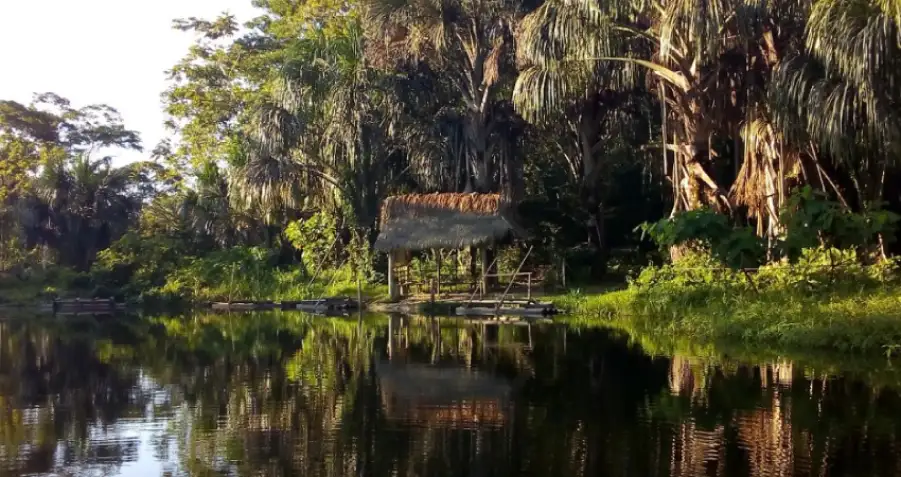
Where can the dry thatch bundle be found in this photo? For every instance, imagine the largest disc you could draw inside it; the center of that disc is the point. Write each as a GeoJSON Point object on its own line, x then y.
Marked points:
{"type": "Point", "coordinates": [760, 185]}
{"type": "Point", "coordinates": [444, 220]}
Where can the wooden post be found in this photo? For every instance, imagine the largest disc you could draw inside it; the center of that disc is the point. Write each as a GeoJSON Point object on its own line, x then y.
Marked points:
{"type": "Point", "coordinates": [360, 299]}
{"type": "Point", "coordinates": [486, 269]}
{"type": "Point", "coordinates": [477, 288]}
{"type": "Point", "coordinates": [563, 273]}
{"type": "Point", "coordinates": [512, 279]}
{"type": "Point", "coordinates": [393, 295]}
{"type": "Point", "coordinates": [529, 286]}
{"type": "Point", "coordinates": [438, 276]}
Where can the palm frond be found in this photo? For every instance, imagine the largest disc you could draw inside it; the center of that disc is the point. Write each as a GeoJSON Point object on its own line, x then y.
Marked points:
{"type": "Point", "coordinates": [562, 49]}
{"type": "Point", "coordinates": [836, 114]}
{"type": "Point", "coordinates": [277, 129]}
{"type": "Point", "coordinates": [268, 183]}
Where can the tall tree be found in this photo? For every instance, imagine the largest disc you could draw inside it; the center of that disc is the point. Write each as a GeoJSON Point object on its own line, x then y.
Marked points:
{"type": "Point", "coordinates": [323, 135]}
{"type": "Point", "coordinates": [471, 44]}
{"type": "Point", "coordinates": [51, 138]}
{"type": "Point", "coordinates": [840, 93]}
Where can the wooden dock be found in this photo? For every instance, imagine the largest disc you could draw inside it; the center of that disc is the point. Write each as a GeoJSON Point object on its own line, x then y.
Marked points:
{"type": "Point", "coordinates": [77, 306]}
{"type": "Point", "coordinates": [322, 305]}
{"type": "Point", "coordinates": [506, 308]}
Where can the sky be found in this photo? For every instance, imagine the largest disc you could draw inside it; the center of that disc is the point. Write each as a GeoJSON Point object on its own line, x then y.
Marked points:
{"type": "Point", "coordinates": [101, 51]}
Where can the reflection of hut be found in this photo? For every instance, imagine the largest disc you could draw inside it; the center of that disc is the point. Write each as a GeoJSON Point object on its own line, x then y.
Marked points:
{"type": "Point", "coordinates": [442, 397]}
{"type": "Point", "coordinates": [442, 221]}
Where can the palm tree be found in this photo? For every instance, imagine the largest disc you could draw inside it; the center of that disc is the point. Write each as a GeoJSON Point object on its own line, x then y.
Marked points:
{"type": "Point", "coordinates": [769, 162]}
{"type": "Point", "coordinates": [201, 215]}
{"type": "Point", "coordinates": [430, 129]}
{"type": "Point", "coordinates": [839, 93]}
{"type": "Point", "coordinates": [84, 206]}
{"type": "Point", "coordinates": [711, 64]}
{"type": "Point", "coordinates": [322, 140]}
{"type": "Point", "coordinates": [571, 46]}
{"type": "Point", "coordinates": [470, 44]}
{"type": "Point", "coordinates": [585, 106]}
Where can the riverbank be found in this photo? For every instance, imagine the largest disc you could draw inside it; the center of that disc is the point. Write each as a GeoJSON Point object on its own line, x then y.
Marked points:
{"type": "Point", "coordinates": [851, 308]}
{"type": "Point", "coordinates": [847, 316]}
{"type": "Point", "coordinates": [194, 284]}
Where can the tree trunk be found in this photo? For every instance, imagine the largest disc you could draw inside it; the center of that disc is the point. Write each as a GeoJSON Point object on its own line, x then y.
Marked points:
{"type": "Point", "coordinates": [693, 187]}
{"type": "Point", "coordinates": [477, 144]}
{"type": "Point", "coordinates": [513, 186]}
{"type": "Point", "coordinates": [597, 238]}
{"type": "Point", "coordinates": [393, 290]}
{"type": "Point", "coordinates": [698, 188]}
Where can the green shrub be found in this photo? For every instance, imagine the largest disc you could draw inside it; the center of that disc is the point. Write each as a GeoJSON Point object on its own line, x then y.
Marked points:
{"type": "Point", "coordinates": [812, 221]}
{"type": "Point", "coordinates": [314, 238]}
{"type": "Point", "coordinates": [827, 298]}
{"type": "Point", "coordinates": [705, 231]}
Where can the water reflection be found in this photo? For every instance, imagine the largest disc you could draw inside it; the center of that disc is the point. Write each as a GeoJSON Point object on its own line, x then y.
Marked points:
{"type": "Point", "coordinates": [283, 394]}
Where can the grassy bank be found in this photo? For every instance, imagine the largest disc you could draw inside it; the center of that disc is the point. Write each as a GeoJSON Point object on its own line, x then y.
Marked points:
{"type": "Point", "coordinates": [823, 302]}
{"type": "Point", "coordinates": [873, 368]}
{"type": "Point", "coordinates": [208, 282]}
{"type": "Point", "coordinates": [26, 293]}
{"type": "Point", "coordinates": [848, 308]}
{"type": "Point", "coordinates": [272, 284]}
{"type": "Point", "coordinates": [42, 285]}
{"type": "Point", "coordinates": [239, 273]}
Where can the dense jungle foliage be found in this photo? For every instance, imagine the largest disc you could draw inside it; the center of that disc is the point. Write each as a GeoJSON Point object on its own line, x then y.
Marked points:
{"type": "Point", "coordinates": [754, 131]}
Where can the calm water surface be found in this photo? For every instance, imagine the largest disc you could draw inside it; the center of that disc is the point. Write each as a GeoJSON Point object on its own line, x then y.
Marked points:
{"type": "Point", "coordinates": [280, 394]}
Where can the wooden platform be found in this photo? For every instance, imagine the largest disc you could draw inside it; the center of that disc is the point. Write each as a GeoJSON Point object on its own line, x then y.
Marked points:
{"type": "Point", "coordinates": [506, 308]}
{"type": "Point", "coordinates": [86, 306]}
{"type": "Point", "coordinates": [322, 305]}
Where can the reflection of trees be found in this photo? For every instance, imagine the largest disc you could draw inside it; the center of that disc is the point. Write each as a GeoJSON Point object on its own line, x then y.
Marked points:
{"type": "Point", "coordinates": [329, 412]}
{"type": "Point", "coordinates": [55, 389]}
{"type": "Point", "coordinates": [776, 419]}
{"type": "Point", "coordinates": [273, 399]}
{"type": "Point", "coordinates": [581, 414]}
{"type": "Point", "coordinates": [285, 394]}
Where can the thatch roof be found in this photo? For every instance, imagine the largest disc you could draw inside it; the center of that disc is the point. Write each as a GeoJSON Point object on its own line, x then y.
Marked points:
{"type": "Point", "coordinates": [444, 220]}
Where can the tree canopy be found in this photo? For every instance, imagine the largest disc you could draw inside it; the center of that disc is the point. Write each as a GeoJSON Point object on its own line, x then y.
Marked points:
{"type": "Point", "coordinates": [594, 117]}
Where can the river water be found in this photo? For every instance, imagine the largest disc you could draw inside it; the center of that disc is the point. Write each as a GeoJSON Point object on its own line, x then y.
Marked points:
{"type": "Point", "coordinates": [284, 394]}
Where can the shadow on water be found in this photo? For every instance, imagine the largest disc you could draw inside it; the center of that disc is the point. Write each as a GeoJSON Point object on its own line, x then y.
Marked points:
{"type": "Point", "coordinates": [288, 394]}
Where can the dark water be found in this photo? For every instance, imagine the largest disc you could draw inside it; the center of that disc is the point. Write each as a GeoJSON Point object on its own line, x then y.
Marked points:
{"type": "Point", "coordinates": [271, 395]}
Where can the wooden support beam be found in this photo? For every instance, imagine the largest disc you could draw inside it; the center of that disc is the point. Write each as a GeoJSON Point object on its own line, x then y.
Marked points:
{"type": "Point", "coordinates": [393, 294]}
{"type": "Point", "coordinates": [438, 274]}
{"type": "Point", "coordinates": [486, 269]}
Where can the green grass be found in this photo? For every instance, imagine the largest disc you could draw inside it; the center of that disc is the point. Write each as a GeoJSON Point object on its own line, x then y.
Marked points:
{"type": "Point", "coordinates": [273, 285]}
{"type": "Point", "coordinates": [847, 319]}
{"type": "Point", "coordinates": [827, 300]}
{"type": "Point", "coordinates": [590, 301]}
{"type": "Point", "coordinates": [22, 294]}
{"type": "Point", "coordinates": [38, 287]}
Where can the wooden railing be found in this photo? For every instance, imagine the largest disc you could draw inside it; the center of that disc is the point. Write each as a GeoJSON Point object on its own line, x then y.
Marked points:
{"type": "Point", "coordinates": [509, 278]}
{"type": "Point", "coordinates": [427, 280]}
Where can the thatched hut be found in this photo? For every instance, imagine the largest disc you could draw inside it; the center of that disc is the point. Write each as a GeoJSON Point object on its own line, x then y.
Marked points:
{"type": "Point", "coordinates": [443, 221]}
